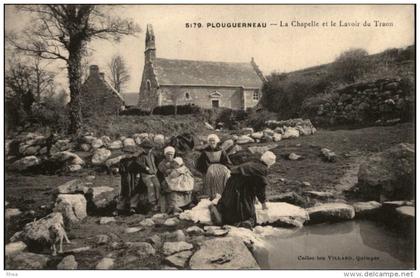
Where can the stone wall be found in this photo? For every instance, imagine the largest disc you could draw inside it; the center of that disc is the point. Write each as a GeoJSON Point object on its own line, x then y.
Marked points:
{"type": "Point", "coordinates": [98, 97]}
{"type": "Point", "coordinates": [383, 101]}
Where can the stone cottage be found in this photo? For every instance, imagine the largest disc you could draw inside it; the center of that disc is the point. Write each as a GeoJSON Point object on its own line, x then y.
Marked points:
{"type": "Point", "coordinates": [98, 97]}
{"type": "Point", "coordinates": [203, 83]}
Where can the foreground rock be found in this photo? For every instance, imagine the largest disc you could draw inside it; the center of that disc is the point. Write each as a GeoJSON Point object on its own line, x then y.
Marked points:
{"type": "Point", "coordinates": [179, 260]}
{"type": "Point", "coordinates": [36, 234]}
{"type": "Point", "coordinates": [170, 248]}
{"type": "Point", "coordinates": [331, 212]}
{"type": "Point", "coordinates": [223, 253]}
{"type": "Point", "coordinates": [27, 261]}
{"type": "Point", "coordinates": [15, 247]}
{"type": "Point", "coordinates": [389, 174]}
{"type": "Point", "coordinates": [68, 263]}
{"type": "Point", "coordinates": [105, 263]}
{"type": "Point", "coordinates": [281, 215]}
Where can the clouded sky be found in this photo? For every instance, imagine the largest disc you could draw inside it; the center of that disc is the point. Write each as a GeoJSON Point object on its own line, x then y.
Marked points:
{"type": "Point", "coordinates": [274, 48]}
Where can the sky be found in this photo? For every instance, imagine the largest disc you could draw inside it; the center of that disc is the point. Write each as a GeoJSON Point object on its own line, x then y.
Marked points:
{"type": "Point", "coordinates": [274, 48]}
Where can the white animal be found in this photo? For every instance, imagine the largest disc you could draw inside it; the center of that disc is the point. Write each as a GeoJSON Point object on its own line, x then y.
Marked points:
{"type": "Point", "coordinates": [57, 234]}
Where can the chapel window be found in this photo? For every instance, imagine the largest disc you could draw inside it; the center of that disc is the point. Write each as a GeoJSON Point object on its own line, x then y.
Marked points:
{"type": "Point", "coordinates": [148, 85]}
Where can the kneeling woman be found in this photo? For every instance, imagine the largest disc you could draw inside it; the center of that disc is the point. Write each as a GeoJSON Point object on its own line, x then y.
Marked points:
{"type": "Point", "coordinates": [247, 181]}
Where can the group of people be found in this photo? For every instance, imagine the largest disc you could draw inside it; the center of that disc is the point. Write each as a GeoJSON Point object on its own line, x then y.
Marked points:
{"type": "Point", "coordinates": [168, 186]}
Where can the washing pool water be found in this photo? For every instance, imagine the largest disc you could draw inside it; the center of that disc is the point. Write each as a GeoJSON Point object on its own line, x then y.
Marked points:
{"type": "Point", "coordinates": [345, 245]}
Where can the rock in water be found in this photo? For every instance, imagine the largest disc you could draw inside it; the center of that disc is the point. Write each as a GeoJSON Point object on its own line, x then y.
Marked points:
{"type": "Point", "coordinates": [406, 212]}
{"type": "Point", "coordinates": [105, 263]}
{"type": "Point", "coordinates": [330, 212]}
{"type": "Point", "coordinates": [179, 259]}
{"type": "Point", "coordinates": [289, 197]}
{"type": "Point", "coordinates": [15, 247]}
{"type": "Point", "coordinates": [281, 215]}
{"type": "Point", "coordinates": [100, 156]}
{"type": "Point", "coordinates": [223, 253]}
{"type": "Point", "coordinates": [389, 174]}
{"type": "Point", "coordinates": [366, 208]}
{"type": "Point", "coordinates": [68, 263]}
{"type": "Point", "coordinates": [170, 248]}
{"type": "Point", "coordinates": [71, 206]}
{"type": "Point", "coordinates": [36, 234]}
{"type": "Point", "coordinates": [26, 261]}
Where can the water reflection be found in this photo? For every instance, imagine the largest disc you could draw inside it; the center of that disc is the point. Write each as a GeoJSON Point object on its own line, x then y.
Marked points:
{"type": "Point", "coordinates": [346, 245]}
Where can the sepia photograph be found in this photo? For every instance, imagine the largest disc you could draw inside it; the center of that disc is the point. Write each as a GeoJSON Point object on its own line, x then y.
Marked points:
{"type": "Point", "coordinates": [209, 137]}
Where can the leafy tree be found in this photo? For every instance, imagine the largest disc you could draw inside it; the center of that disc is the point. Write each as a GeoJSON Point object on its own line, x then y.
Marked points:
{"type": "Point", "coordinates": [61, 32]}
{"type": "Point", "coordinates": [350, 65]}
{"type": "Point", "coordinates": [118, 72]}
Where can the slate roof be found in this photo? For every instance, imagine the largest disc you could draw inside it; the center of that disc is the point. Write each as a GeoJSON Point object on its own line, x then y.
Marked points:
{"type": "Point", "coordinates": [191, 72]}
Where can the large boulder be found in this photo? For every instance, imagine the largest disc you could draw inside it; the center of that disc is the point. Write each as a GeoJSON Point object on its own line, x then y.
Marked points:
{"type": "Point", "coordinates": [100, 156]}
{"type": "Point", "coordinates": [281, 215]}
{"type": "Point", "coordinates": [71, 206]}
{"type": "Point", "coordinates": [26, 163]}
{"type": "Point", "coordinates": [76, 186]}
{"type": "Point", "coordinates": [97, 143]}
{"type": "Point", "coordinates": [223, 253]}
{"type": "Point", "coordinates": [366, 209]}
{"type": "Point", "coordinates": [67, 263]}
{"type": "Point", "coordinates": [331, 212]}
{"type": "Point", "coordinates": [129, 142]}
{"type": "Point", "coordinates": [100, 198]}
{"type": "Point", "coordinates": [67, 157]}
{"type": "Point", "coordinates": [27, 261]}
{"type": "Point", "coordinates": [389, 174]}
{"type": "Point", "coordinates": [290, 133]}
{"type": "Point", "coordinates": [36, 234]}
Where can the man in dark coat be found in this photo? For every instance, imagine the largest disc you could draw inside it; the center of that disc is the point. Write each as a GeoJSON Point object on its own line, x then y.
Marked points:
{"type": "Point", "coordinates": [247, 182]}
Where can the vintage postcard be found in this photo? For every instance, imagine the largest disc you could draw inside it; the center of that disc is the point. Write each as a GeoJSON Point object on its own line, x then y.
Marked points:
{"type": "Point", "coordinates": [208, 137]}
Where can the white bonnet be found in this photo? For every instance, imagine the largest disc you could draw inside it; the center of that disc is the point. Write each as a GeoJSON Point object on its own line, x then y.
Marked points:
{"type": "Point", "coordinates": [213, 136]}
{"type": "Point", "coordinates": [169, 149]}
{"type": "Point", "coordinates": [268, 158]}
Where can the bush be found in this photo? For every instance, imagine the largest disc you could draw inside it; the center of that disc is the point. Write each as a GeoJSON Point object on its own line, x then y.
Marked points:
{"type": "Point", "coordinates": [180, 109]}
{"type": "Point", "coordinates": [350, 65]}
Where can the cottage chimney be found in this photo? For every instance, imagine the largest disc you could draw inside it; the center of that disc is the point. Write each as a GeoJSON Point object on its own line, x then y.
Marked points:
{"type": "Point", "coordinates": [93, 70]}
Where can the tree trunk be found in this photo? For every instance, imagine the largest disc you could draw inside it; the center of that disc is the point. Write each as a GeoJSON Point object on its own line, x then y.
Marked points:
{"type": "Point", "coordinates": [74, 73]}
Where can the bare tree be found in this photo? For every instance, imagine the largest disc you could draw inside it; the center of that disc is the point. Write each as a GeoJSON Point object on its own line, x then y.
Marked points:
{"type": "Point", "coordinates": [118, 72]}
{"type": "Point", "coordinates": [61, 32]}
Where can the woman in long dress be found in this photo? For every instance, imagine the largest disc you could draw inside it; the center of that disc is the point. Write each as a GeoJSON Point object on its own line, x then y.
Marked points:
{"type": "Point", "coordinates": [247, 182]}
{"type": "Point", "coordinates": [172, 199]}
{"type": "Point", "coordinates": [213, 163]}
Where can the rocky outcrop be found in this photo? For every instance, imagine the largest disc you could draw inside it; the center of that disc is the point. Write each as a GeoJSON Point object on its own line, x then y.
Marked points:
{"type": "Point", "coordinates": [223, 253]}
{"type": "Point", "coordinates": [389, 174]}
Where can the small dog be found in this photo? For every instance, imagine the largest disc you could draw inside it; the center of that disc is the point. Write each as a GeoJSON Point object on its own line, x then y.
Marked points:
{"type": "Point", "coordinates": [57, 234]}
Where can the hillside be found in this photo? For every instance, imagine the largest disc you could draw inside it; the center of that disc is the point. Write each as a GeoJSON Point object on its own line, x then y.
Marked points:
{"type": "Point", "coordinates": [301, 93]}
